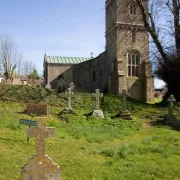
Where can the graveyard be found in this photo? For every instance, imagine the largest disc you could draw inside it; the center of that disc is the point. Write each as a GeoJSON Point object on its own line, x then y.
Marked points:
{"type": "Point", "coordinates": [86, 146]}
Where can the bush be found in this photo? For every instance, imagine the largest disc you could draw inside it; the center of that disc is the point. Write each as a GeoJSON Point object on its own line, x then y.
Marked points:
{"type": "Point", "coordinates": [30, 94]}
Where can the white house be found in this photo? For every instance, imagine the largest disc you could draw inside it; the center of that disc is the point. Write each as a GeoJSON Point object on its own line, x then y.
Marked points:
{"type": "Point", "coordinates": [1, 78]}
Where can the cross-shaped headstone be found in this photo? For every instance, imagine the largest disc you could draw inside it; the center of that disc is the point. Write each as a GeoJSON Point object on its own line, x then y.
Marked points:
{"type": "Point", "coordinates": [97, 95]}
{"type": "Point", "coordinates": [91, 54]}
{"type": "Point", "coordinates": [40, 133]}
{"type": "Point", "coordinates": [124, 96]}
{"type": "Point", "coordinates": [171, 101]}
{"type": "Point", "coordinates": [69, 95]}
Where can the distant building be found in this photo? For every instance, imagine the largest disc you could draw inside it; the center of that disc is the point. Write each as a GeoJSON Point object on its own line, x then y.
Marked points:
{"type": "Point", "coordinates": [160, 92]}
{"type": "Point", "coordinates": [1, 79]}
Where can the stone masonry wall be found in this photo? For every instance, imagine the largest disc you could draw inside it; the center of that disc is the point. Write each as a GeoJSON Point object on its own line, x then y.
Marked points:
{"type": "Point", "coordinates": [54, 70]}
{"type": "Point", "coordinates": [92, 74]}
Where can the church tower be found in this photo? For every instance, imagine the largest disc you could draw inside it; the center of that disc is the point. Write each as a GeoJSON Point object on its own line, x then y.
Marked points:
{"type": "Point", "coordinates": [127, 45]}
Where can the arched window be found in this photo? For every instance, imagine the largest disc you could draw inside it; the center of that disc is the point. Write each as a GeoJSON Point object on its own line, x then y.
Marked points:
{"type": "Point", "coordinates": [133, 64]}
{"type": "Point", "coordinates": [94, 76]}
{"type": "Point", "coordinates": [133, 8]}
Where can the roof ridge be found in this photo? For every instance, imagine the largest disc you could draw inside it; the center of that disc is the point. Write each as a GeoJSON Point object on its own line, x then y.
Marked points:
{"type": "Point", "coordinates": [71, 57]}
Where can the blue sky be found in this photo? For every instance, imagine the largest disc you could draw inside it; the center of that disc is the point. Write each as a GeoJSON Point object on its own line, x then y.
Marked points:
{"type": "Point", "coordinates": [61, 28]}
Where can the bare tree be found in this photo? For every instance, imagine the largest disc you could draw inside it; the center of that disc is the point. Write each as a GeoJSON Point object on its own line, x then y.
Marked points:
{"type": "Point", "coordinates": [10, 57]}
{"type": "Point", "coordinates": [27, 67]}
{"type": "Point", "coordinates": [165, 38]}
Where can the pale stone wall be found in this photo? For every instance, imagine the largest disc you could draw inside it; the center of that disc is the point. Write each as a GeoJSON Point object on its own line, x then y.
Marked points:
{"type": "Point", "coordinates": [54, 71]}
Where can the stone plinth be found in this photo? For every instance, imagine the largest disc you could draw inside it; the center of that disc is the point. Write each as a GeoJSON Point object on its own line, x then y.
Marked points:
{"type": "Point", "coordinates": [125, 115]}
{"type": "Point", "coordinates": [41, 168]}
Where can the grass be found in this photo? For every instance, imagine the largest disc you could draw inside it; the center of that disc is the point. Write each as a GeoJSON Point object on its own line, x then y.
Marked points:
{"type": "Point", "coordinates": [89, 148]}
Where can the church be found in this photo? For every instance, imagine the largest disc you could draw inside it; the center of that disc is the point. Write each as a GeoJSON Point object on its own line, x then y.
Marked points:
{"type": "Point", "coordinates": [124, 64]}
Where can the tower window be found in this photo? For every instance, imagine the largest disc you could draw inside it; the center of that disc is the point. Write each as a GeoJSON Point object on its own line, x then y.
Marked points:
{"type": "Point", "coordinates": [133, 8]}
{"type": "Point", "coordinates": [133, 64]}
{"type": "Point", "coordinates": [133, 35]}
{"type": "Point", "coordinates": [94, 76]}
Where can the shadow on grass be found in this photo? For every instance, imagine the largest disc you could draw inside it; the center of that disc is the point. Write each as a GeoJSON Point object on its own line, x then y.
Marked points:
{"type": "Point", "coordinates": [174, 125]}
{"type": "Point", "coordinates": [13, 140]}
{"type": "Point", "coordinates": [21, 112]}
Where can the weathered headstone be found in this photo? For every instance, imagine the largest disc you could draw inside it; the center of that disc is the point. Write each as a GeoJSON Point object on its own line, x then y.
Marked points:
{"type": "Point", "coordinates": [97, 112]}
{"type": "Point", "coordinates": [171, 101]}
{"type": "Point", "coordinates": [40, 167]}
{"type": "Point", "coordinates": [38, 109]}
{"type": "Point", "coordinates": [168, 118]}
{"type": "Point", "coordinates": [124, 114]}
{"type": "Point", "coordinates": [69, 108]}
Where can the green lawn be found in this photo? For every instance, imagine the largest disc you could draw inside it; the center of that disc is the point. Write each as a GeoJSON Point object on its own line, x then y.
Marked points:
{"type": "Point", "coordinates": [89, 148]}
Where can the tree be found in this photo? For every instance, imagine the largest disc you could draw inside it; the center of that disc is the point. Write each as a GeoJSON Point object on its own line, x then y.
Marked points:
{"type": "Point", "coordinates": [167, 55]}
{"type": "Point", "coordinates": [34, 75]}
{"type": "Point", "coordinates": [10, 57]}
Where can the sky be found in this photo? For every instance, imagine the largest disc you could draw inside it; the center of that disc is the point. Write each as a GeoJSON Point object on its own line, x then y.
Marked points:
{"type": "Point", "coordinates": [57, 27]}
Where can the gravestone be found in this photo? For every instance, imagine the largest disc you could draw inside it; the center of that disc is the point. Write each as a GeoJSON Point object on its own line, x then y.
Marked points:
{"type": "Point", "coordinates": [69, 108]}
{"type": "Point", "coordinates": [171, 101]}
{"type": "Point", "coordinates": [124, 114]}
{"type": "Point", "coordinates": [170, 117]}
{"type": "Point", "coordinates": [97, 112]}
{"type": "Point", "coordinates": [41, 166]}
{"type": "Point", "coordinates": [38, 109]}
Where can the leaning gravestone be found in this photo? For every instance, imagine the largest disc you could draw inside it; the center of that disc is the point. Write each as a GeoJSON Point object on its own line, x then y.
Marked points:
{"type": "Point", "coordinates": [97, 112]}
{"type": "Point", "coordinates": [38, 109]}
{"type": "Point", "coordinates": [40, 167]}
{"type": "Point", "coordinates": [124, 114]}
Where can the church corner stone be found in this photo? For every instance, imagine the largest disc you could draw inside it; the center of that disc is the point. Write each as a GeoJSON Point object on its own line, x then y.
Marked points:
{"type": "Point", "coordinates": [40, 167]}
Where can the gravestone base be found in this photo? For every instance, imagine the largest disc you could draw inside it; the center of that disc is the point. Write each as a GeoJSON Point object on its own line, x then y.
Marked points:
{"type": "Point", "coordinates": [68, 111]}
{"type": "Point", "coordinates": [40, 168]}
{"type": "Point", "coordinates": [169, 119]}
{"type": "Point", "coordinates": [125, 115]}
{"type": "Point", "coordinates": [98, 113]}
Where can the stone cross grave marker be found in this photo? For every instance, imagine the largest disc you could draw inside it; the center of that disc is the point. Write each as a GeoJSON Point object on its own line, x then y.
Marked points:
{"type": "Point", "coordinates": [124, 96]}
{"type": "Point", "coordinates": [69, 95]}
{"type": "Point", "coordinates": [41, 166]}
{"type": "Point", "coordinates": [40, 133]}
{"type": "Point", "coordinates": [97, 95]}
{"type": "Point", "coordinates": [171, 101]}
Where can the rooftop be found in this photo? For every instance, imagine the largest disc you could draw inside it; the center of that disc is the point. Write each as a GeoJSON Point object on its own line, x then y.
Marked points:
{"type": "Point", "coordinates": [66, 60]}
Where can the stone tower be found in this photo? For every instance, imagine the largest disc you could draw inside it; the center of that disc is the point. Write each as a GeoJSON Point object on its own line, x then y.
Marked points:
{"type": "Point", "coordinates": [127, 45]}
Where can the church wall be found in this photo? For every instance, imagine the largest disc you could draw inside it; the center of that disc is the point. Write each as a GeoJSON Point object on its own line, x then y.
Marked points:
{"type": "Point", "coordinates": [135, 85]}
{"type": "Point", "coordinates": [92, 74]}
{"type": "Point", "coordinates": [54, 70]}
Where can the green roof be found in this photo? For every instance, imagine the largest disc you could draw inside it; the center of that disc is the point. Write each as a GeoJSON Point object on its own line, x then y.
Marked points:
{"type": "Point", "coordinates": [65, 60]}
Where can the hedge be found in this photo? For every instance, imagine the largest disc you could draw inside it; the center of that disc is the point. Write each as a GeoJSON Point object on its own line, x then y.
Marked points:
{"type": "Point", "coordinates": [29, 94]}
